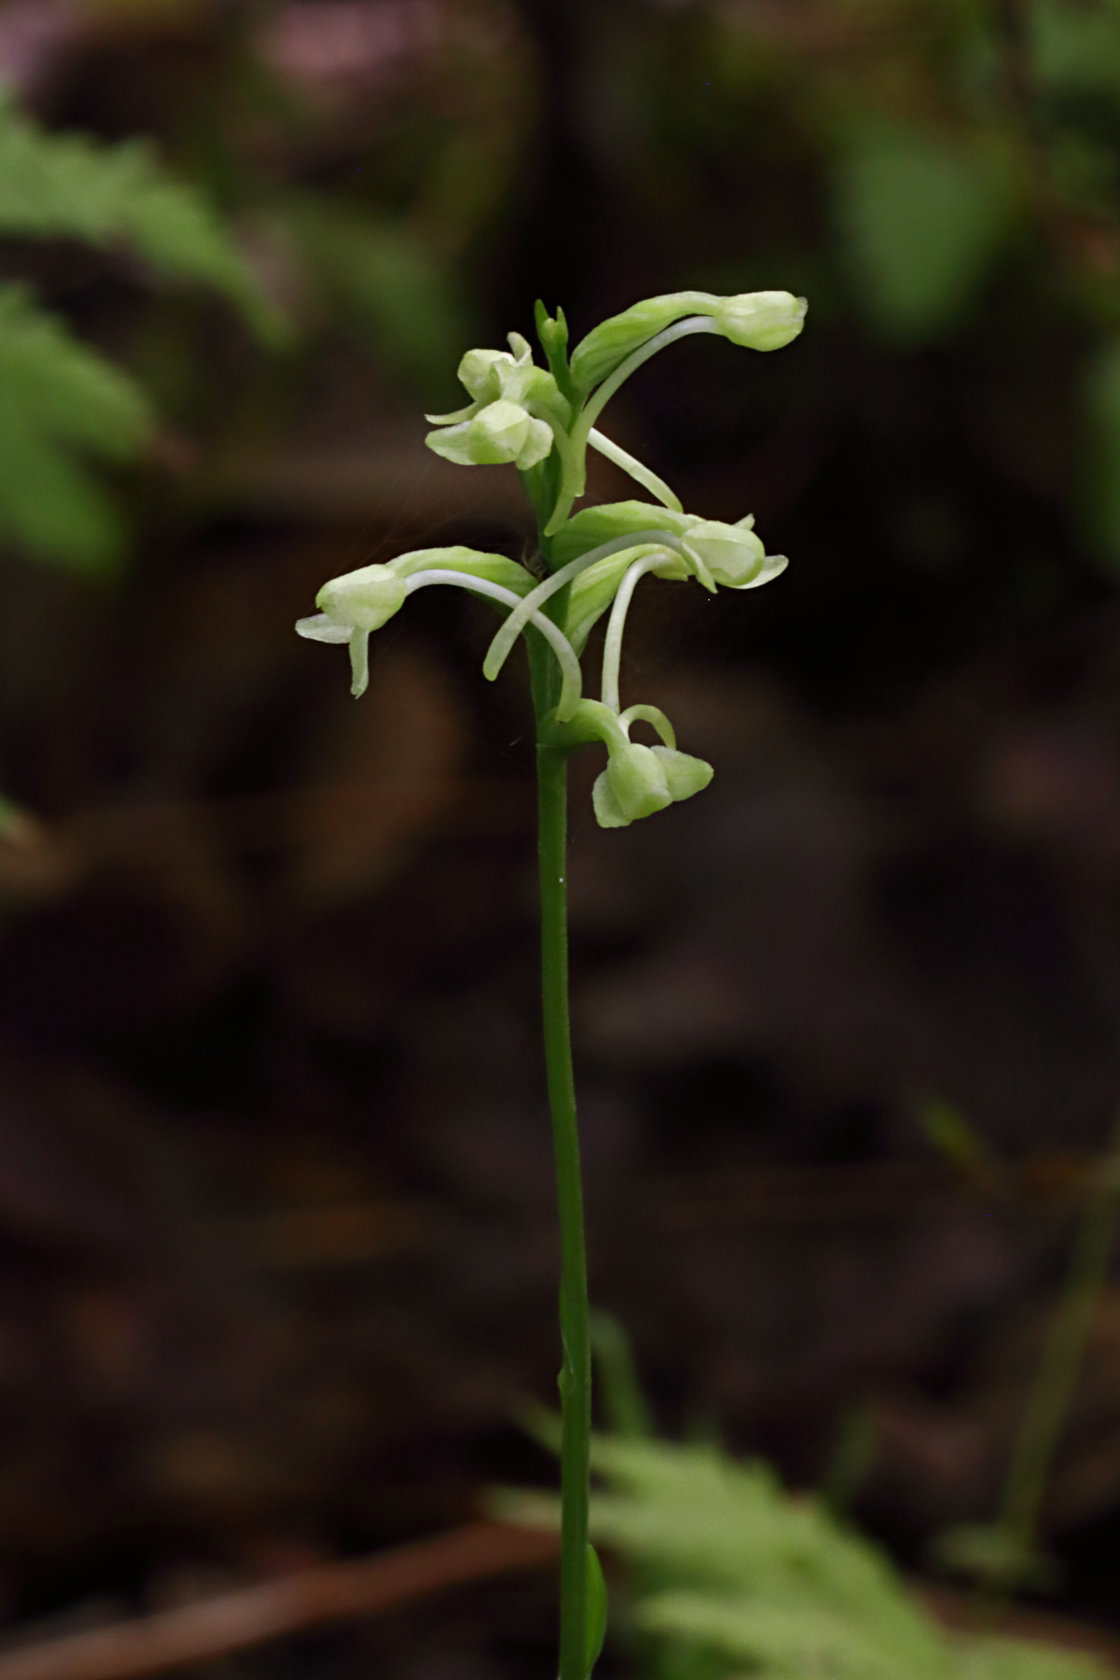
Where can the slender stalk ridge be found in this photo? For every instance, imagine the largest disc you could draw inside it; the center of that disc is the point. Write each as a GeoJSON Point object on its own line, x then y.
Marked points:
{"type": "Point", "coordinates": [575, 1371]}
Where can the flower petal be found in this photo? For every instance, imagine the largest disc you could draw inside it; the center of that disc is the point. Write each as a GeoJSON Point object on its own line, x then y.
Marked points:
{"type": "Point", "coordinates": [536, 445]}
{"type": "Point", "coordinates": [320, 628]}
{"type": "Point", "coordinates": [684, 774]}
{"type": "Point", "coordinates": [608, 812]}
{"type": "Point", "coordinates": [450, 443]}
{"type": "Point", "coordinates": [773, 566]}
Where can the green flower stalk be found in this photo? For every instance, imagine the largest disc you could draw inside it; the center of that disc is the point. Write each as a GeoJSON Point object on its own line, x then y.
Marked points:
{"type": "Point", "coordinates": [542, 420]}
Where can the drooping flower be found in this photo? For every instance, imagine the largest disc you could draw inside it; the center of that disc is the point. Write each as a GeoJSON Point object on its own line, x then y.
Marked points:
{"type": "Point", "coordinates": [351, 607]}
{"type": "Point", "coordinates": [640, 780]}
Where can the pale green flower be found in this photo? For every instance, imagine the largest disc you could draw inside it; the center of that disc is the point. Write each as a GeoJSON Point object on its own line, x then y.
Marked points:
{"type": "Point", "coordinates": [730, 556]}
{"type": "Point", "coordinates": [354, 605]}
{"type": "Point", "coordinates": [498, 433]}
{"type": "Point", "coordinates": [504, 421]}
{"type": "Point", "coordinates": [640, 780]}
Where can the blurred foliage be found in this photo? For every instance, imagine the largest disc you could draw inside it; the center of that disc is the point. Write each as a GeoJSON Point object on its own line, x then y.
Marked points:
{"type": "Point", "coordinates": [60, 400]}
{"type": "Point", "coordinates": [923, 221]}
{"type": "Point", "coordinates": [731, 1575]}
{"type": "Point", "coordinates": [378, 279]}
{"type": "Point", "coordinates": [67, 186]}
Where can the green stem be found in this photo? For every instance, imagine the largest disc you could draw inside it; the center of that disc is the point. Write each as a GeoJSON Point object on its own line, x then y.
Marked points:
{"type": "Point", "coordinates": [575, 1372]}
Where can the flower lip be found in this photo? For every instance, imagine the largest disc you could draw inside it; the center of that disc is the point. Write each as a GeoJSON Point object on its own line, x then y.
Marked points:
{"type": "Point", "coordinates": [320, 628]}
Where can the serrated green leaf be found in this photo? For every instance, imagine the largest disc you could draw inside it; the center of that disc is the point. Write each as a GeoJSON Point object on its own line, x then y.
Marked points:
{"type": "Point", "coordinates": [730, 1575]}
{"type": "Point", "coordinates": [59, 402]}
{"type": "Point", "coordinates": [55, 186]}
{"type": "Point", "coordinates": [921, 219]}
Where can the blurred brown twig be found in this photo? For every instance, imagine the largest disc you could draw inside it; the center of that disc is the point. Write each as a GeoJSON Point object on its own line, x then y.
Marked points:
{"type": "Point", "coordinates": [316, 1597]}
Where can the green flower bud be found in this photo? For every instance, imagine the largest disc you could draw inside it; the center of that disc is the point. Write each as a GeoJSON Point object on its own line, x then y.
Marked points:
{"type": "Point", "coordinates": [362, 600]}
{"type": "Point", "coordinates": [727, 554]}
{"type": "Point", "coordinates": [633, 785]}
{"type": "Point", "coordinates": [760, 320]}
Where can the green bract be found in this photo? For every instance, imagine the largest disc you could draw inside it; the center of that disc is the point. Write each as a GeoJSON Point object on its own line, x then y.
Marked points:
{"type": "Point", "coordinates": [755, 320]}
{"type": "Point", "coordinates": [609, 344]}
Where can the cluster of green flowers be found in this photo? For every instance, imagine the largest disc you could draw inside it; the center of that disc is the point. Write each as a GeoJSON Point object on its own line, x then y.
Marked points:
{"type": "Point", "coordinates": [542, 420]}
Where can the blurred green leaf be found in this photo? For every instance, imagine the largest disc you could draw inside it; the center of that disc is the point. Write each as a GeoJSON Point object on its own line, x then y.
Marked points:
{"type": "Point", "coordinates": [1101, 476]}
{"type": "Point", "coordinates": [951, 1135]}
{"type": "Point", "coordinates": [71, 186]}
{"type": "Point", "coordinates": [1073, 47]}
{"type": "Point", "coordinates": [921, 219]}
{"type": "Point", "coordinates": [391, 289]}
{"type": "Point", "coordinates": [994, 1556]}
{"type": "Point", "coordinates": [59, 402]}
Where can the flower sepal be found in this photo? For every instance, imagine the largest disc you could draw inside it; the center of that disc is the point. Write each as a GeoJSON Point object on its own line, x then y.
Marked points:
{"type": "Point", "coordinates": [761, 320]}
{"type": "Point", "coordinates": [640, 781]}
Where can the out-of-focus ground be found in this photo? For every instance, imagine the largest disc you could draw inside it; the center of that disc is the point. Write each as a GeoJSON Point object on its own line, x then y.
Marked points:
{"type": "Point", "coordinates": [275, 1190]}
